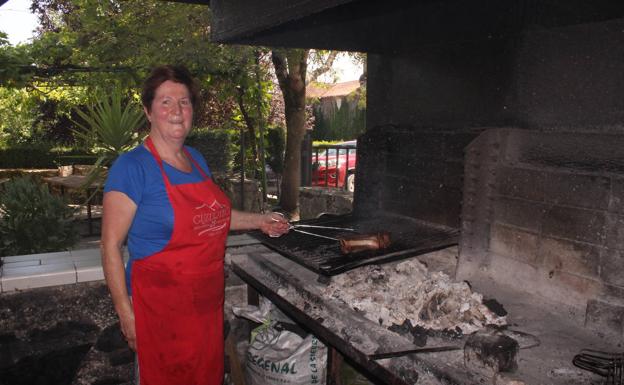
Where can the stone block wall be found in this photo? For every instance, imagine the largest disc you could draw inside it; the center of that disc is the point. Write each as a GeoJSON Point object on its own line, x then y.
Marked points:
{"type": "Point", "coordinates": [314, 201]}
{"type": "Point", "coordinates": [412, 172]}
{"type": "Point", "coordinates": [17, 172]}
{"type": "Point", "coordinates": [249, 200]}
{"type": "Point", "coordinates": [543, 212]}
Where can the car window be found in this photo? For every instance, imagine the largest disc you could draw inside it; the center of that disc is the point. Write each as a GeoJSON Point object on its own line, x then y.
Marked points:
{"type": "Point", "coordinates": [331, 152]}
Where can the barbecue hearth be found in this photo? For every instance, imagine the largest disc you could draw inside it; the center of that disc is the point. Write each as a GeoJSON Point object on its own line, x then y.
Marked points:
{"type": "Point", "coordinates": [531, 239]}
{"type": "Point", "coordinates": [547, 338]}
{"type": "Point", "coordinates": [501, 118]}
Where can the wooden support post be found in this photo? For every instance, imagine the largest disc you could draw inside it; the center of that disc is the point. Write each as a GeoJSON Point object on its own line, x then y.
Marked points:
{"type": "Point", "coordinates": [253, 298]}
{"type": "Point", "coordinates": [334, 362]}
{"type": "Point", "coordinates": [89, 217]}
{"type": "Point", "coordinates": [236, 369]}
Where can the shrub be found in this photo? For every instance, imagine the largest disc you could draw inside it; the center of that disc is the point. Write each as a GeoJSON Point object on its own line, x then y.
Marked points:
{"type": "Point", "coordinates": [276, 145]}
{"type": "Point", "coordinates": [339, 122]}
{"type": "Point", "coordinates": [32, 220]}
{"type": "Point", "coordinates": [214, 145]}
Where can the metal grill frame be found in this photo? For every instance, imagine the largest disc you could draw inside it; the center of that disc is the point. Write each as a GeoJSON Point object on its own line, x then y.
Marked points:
{"type": "Point", "coordinates": [409, 237]}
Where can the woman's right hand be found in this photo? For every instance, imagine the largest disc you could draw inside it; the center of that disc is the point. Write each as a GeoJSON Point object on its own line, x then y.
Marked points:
{"type": "Point", "coordinates": [128, 329]}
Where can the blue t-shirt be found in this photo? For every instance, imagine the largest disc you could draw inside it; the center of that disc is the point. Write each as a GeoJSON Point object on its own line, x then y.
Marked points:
{"type": "Point", "coordinates": [136, 174]}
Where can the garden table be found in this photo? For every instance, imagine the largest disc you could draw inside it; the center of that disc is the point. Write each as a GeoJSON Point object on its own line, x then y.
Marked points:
{"type": "Point", "coordinates": [76, 182]}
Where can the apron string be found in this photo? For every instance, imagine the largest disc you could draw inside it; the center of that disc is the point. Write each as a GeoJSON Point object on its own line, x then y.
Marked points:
{"type": "Point", "coordinates": [201, 171]}
{"type": "Point", "coordinates": [150, 145]}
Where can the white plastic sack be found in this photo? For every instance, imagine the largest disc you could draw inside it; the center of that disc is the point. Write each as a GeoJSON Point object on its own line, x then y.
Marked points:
{"type": "Point", "coordinates": [283, 357]}
{"type": "Point", "coordinates": [263, 314]}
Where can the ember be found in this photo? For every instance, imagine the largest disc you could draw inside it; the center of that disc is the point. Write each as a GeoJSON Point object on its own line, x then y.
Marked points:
{"type": "Point", "coordinates": [391, 295]}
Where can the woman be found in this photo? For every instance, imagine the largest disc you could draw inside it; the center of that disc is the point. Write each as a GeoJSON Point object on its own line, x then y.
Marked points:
{"type": "Point", "coordinates": [161, 198]}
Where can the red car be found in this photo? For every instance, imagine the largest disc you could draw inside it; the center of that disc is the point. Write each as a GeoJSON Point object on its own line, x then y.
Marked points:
{"type": "Point", "coordinates": [330, 167]}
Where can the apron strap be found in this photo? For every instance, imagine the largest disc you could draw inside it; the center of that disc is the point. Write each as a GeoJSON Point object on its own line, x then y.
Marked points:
{"type": "Point", "coordinates": [201, 171]}
{"type": "Point", "coordinates": [150, 145]}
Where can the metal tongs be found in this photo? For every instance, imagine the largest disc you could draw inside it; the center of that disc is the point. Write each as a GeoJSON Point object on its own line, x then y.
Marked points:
{"type": "Point", "coordinates": [298, 227]}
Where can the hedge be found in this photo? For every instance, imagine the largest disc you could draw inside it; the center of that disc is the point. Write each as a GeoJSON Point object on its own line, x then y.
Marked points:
{"type": "Point", "coordinates": [42, 157]}
{"type": "Point", "coordinates": [214, 145]}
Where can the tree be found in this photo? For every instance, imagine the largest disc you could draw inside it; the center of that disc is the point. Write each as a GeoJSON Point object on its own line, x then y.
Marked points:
{"type": "Point", "coordinates": [290, 69]}
{"type": "Point", "coordinates": [12, 62]}
{"type": "Point", "coordinates": [291, 66]}
{"type": "Point", "coordinates": [94, 44]}
{"type": "Point", "coordinates": [323, 61]}
{"type": "Point", "coordinates": [91, 43]}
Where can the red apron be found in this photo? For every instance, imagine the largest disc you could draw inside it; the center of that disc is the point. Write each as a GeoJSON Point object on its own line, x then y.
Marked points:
{"type": "Point", "coordinates": [177, 293]}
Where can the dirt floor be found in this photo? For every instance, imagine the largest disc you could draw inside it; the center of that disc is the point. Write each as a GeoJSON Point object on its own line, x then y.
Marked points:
{"type": "Point", "coordinates": [65, 334]}
{"type": "Point", "coordinates": [69, 335]}
{"type": "Point", "coordinates": [62, 335]}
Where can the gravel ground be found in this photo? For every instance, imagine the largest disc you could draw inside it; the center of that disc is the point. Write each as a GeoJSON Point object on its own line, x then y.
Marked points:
{"type": "Point", "coordinates": [62, 335]}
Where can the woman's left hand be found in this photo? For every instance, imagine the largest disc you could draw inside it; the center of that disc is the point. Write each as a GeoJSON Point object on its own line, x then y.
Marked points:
{"type": "Point", "coordinates": [274, 224]}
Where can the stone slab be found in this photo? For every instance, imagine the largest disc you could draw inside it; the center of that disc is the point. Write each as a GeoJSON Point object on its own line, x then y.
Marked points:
{"type": "Point", "coordinates": [89, 270]}
{"type": "Point", "coordinates": [29, 277]}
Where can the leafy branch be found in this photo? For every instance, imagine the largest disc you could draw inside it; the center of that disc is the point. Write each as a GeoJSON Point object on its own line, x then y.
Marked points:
{"type": "Point", "coordinates": [110, 128]}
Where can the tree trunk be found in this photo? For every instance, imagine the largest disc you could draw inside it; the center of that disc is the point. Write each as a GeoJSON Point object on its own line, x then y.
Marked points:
{"type": "Point", "coordinates": [324, 67]}
{"type": "Point", "coordinates": [249, 122]}
{"type": "Point", "coordinates": [290, 68]}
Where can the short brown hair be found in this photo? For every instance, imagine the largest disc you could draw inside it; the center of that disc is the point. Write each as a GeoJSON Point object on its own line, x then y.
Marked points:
{"type": "Point", "coordinates": [160, 74]}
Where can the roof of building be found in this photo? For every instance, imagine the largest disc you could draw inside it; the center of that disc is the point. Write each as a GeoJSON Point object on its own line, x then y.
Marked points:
{"type": "Point", "coordinates": [323, 90]}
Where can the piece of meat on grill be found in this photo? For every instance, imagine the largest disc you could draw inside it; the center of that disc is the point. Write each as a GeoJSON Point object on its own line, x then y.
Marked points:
{"type": "Point", "coordinates": [359, 242]}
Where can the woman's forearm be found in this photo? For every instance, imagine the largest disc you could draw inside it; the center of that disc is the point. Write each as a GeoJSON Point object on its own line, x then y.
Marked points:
{"type": "Point", "coordinates": [272, 224]}
{"type": "Point", "coordinates": [118, 214]}
{"type": "Point", "coordinates": [242, 220]}
{"type": "Point", "coordinates": [114, 273]}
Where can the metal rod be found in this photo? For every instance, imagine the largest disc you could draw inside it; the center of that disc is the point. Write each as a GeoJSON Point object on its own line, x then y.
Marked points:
{"type": "Point", "coordinates": [315, 235]}
{"type": "Point", "coordinates": [425, 349]}
{"type": "Point", "coordinates": [294, 226]}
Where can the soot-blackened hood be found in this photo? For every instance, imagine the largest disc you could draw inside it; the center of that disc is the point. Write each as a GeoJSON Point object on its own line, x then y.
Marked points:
{"type": "Point", "coordinates": [393, 26]}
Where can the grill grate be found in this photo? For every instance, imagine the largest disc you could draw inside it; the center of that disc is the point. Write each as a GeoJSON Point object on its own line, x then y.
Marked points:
{"type": "Point", "coordinates": [409, 237]}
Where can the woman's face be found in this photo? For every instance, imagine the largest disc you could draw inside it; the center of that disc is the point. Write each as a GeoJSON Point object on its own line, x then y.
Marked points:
{"type": "Point", "coordinates": [171, 112]}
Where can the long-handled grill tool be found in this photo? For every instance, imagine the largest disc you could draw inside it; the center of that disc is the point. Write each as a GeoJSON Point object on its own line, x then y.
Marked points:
{"type": "Point", "coordinates": [353, 243]}
{"type": "Point", "coordinates": [348, 244]}
{"type": "Point", "coordinates": [314, 234]}
{"type": "Point", "coordinates": [298, 227]}
{"type": "Point", "coordinates": [609, 365]}
{"type": "Point", "coordinates": [424, 349]}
